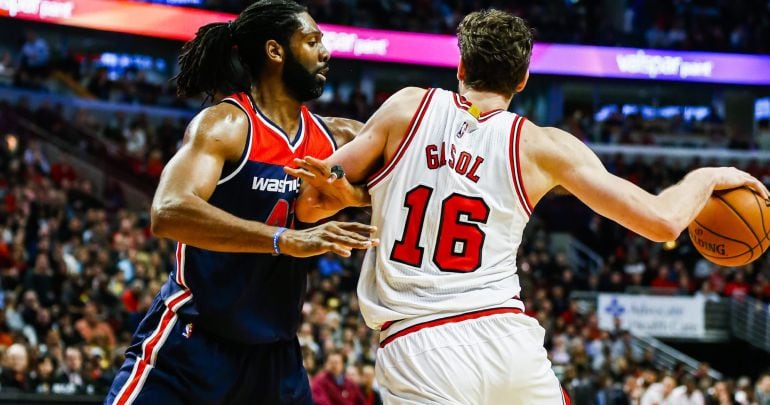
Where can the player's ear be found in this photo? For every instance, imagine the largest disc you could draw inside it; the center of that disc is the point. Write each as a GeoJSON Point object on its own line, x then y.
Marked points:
{"type": "Point", "coordinates": [523, 83]}
{"type": "Point", "coordinates": [461, 71]}
{"type": "Point", "coordinates": [274, 51]}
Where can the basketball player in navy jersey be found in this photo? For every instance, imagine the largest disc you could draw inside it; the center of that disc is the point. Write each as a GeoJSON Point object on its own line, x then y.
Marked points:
{"type": "Point", "coordinates": [224, 327]}
{"type": "Point", "coordinates": [453, 179]}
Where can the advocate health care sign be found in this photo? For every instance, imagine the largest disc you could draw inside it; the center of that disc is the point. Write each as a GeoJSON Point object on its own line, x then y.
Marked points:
{"type": "Point", "coordinates": [674, 317]}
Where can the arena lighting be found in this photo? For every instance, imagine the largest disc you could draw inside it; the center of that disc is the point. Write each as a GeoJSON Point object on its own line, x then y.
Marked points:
{"type": "Point", "coordinates": [179, 23]}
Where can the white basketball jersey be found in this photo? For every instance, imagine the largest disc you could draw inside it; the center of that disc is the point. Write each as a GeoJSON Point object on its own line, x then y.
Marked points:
{"type": "Point", "coordinates": [450, 210]}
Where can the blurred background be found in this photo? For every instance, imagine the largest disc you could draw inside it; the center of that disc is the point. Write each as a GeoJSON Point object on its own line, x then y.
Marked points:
{"type": "Point", "coordinates": [89, 116]}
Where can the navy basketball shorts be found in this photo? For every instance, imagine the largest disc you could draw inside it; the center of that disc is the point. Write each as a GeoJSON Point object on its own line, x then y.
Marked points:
{"type": "Point", "coordinates": [171, 361]}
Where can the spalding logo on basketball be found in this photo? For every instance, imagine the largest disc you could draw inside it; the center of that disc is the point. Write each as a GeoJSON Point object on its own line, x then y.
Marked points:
{"type": "Point", "coordinates": [733, 227]}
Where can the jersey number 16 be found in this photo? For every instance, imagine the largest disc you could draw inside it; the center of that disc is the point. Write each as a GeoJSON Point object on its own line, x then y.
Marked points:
{"type": "Point", "coordinates": [459, 243]}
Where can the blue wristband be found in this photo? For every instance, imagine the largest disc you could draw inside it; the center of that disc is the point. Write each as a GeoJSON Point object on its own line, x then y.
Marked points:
{"type": "Point", "coordinates": [276, 235]}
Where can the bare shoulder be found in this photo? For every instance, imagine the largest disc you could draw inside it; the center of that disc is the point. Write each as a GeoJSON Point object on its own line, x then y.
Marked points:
{"type": "Point", "coordinates": [401, 106]}
{"type": "Point", "coordinates": [549, 146]}
{"type": "Point", "coordinates": [221, 129]}
{"type": "Point", "coordinates": [343, 129]}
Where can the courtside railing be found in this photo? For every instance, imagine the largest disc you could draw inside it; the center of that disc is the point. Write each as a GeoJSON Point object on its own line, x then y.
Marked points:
{"type": "Point", "coordinates": [666, 357]}
{"type": "Point", "coordinates": [750, 321]}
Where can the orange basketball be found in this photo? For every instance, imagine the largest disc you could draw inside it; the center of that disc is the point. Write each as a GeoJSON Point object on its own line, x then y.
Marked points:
{"type": "Point", "coordinates": [733, 228]}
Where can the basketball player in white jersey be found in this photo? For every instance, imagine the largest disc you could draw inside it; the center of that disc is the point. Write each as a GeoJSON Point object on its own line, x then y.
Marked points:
{"type": "Point", "coordinates": [453, 179]}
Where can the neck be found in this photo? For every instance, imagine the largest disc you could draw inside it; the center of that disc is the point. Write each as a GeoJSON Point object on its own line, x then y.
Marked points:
{"type": "Point", "coordinates": [486, 100]}
{"type": "Point", "coordinates": [274, 100]}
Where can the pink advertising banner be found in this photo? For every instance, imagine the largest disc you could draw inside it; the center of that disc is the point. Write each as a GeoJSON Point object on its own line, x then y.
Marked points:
{"type": "Point", "coordinates": [180, 23]}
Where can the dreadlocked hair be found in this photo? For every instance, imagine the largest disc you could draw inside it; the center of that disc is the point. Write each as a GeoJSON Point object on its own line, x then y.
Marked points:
{"type": "Point", "coordinates": [224, 57]}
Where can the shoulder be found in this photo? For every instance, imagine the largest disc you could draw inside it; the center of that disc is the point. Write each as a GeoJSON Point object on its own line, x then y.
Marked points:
{"type": "Point", "coordinates": [548, 145]}
{"type": "Point", "coordinates": [401, 106]}
{"type": "Point", "coordinates": [221, 128]}
{"type": "Point", "coordinates": [342, 129]}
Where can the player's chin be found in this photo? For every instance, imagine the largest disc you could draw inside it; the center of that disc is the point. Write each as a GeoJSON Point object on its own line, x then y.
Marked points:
{"type": "Point", "coordinates": [318, 90]}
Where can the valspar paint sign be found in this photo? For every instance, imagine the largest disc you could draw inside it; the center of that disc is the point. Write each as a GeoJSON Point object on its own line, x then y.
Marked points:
{"type": "Point", "coordinates": [652, 66]}
{"type": "Point", "coordinates": [675, 317]}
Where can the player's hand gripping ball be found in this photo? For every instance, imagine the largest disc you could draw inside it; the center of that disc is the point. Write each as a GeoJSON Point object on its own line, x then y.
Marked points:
{"type": "Point", "coordinates": [733, 228]}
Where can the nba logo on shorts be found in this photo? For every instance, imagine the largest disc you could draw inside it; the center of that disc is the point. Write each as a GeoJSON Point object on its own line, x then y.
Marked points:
{"type": "Point", "coordinates": [188, 329]}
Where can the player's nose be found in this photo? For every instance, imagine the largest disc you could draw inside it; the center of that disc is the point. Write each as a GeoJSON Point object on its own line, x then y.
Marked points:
{"type": "Point", "coordinates": [324, 54]}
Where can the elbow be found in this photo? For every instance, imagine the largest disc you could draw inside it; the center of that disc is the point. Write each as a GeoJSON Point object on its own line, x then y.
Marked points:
{"type": "Point", "coordinates": [665, 230]}
{"type": "Point", "coordinates": [163, 216]}
{"type": "Point", "coordinates": [307, 215]}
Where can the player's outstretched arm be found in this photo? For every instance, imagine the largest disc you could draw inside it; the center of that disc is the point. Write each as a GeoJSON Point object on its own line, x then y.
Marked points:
{"type": "Point", "coordinates": [375, 143]}
{"type": "Point", "coordinates": [661, 217]}
{"type": "Point", "coordinates": [180, 209]}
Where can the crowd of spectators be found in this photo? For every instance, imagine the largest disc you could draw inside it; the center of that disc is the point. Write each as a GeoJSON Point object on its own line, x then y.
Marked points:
{"type": "Point", "coordinates": [713, 25]}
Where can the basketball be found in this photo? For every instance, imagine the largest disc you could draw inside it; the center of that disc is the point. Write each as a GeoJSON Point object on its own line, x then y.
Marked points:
{"type": "Point", "coordinates": [733, 228]}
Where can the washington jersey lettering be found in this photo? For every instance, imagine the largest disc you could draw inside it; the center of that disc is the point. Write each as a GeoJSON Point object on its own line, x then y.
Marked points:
{"type": "Point", "coordinates": [252, 298]}
{"type": "Point", "coordinates": [450, 209]}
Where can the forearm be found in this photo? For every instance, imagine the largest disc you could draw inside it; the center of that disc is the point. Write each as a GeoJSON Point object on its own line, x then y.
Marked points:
{"type": "Point", "coordinates": [193, 221]}
{"type": "Point", "coordinates": [682, 202]}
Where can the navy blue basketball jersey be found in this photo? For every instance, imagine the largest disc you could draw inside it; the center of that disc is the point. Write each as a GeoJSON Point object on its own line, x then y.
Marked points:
{"type": "Point", "coordinates": [245, 297]}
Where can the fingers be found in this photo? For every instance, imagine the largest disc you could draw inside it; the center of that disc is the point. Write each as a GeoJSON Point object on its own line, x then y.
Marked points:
{"type": "Point", "coordinates": [758, 187]}
{"type": "Point", "coordinates": [299, 172]}
{"type": "Point", "coordinates": [313, 165]}
{"type": "Point", "coordinates": [337, 249]}
{"type": "Point", "coordinates": [357, 227]}
{"type": "Point", "coordinates": [342, 237]}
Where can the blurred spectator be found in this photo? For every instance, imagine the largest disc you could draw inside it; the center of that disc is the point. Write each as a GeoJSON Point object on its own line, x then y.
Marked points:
{"type": "Point", "coordinates": [92, 329]}
{"type": "Point", "coordinates": [660, 393]}
{"type": "Point", "coordinates": [43, 377]}
{"type": "Point", "coordinates": [687, 394]}
{"type": "Point", "coordinates": [15, 375]}
{"type": "Point", "coordinates": [332, 387]}
{"type": "Point", "coordinates": [7, 68]}
{"type": "Point", "coordinates": [370, 392]}
{"type": "Point", "coordinates": [762, 390]}
{"type": "Point", "coordinates": [99, 85]}
{"type": "Point", "coordinates": [35, 56]}
{"type": "Point", "coordinates": [69, 380]}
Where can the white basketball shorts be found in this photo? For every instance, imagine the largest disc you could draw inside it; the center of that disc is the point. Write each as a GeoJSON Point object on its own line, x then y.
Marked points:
{"type": "Point", "coordinates": [492, 356]}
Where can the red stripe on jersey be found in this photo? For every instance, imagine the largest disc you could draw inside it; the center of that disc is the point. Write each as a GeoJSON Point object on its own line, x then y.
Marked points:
{"type": "Point", "coordinates": [489, 114]}
{"type": "Point", "coordinates": [463, 104]}
{"type": "Point", "coordinates": [515, 163]}
{"type": "Point", "coordinates": [414, 125]}
{"type": "Point", "coordinates": [450, 319]}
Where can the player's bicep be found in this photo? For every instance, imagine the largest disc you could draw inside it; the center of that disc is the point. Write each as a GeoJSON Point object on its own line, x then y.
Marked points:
{"type": "Point", "coordinates": [192, 171]}
{"type": "Point", "coordinates": [210, 140]}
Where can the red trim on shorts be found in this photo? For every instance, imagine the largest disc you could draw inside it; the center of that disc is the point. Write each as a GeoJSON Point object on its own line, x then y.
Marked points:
{"type": "Point", "coordinates": [137, 376]}
{"type": "Point", "coordinates": [449, 319]}
{"type": "Point", "coordinates": [414, 125]}
{"type": "Point", "coordinates": [515, 163]}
